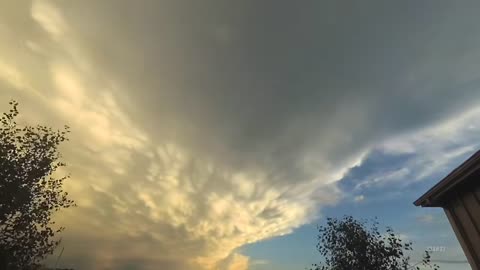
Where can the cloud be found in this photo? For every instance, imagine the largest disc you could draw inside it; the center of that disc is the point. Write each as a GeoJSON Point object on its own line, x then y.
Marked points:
{"type": "Point", "coordinates": [259, 262]}
{"type": "Point", "coordinates": [384, 178]}
{"type": "Point", "coordinates": [49, 18]}
{"type": "Point", "coordinates": [236, 262]}
{"type": "Point", "coordinates": [11, 75]}
{"type": "Point", "coordinates": [434, 150]}
{"type": "Point", "coordinates": [178, 198]}
{"type": "Point", "coordinates": [421, 154]}
{"type": "Point", "coordinates": [359, 198]}
{"type": "Point", "coordinates": [428, 218]}
{"type": "Point", "coordinates": [187, 146]}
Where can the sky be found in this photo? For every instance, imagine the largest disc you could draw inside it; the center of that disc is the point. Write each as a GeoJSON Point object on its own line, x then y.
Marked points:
{"type": "Point", "coordinates": [218, 134]}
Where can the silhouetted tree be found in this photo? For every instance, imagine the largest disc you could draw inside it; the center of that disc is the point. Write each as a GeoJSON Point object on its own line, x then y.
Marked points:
{"type": "Point", "coordinates": [29, 193]}
{"type": "Point", "coordinates": [348, 244]}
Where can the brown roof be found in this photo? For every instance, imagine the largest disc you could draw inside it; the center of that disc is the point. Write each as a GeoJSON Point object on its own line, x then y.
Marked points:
{"type": "Point", "coordinates": [434, 197]}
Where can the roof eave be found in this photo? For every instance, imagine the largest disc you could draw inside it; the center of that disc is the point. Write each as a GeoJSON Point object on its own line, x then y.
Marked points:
{"type": "Point", "coordinates": [433, 197]}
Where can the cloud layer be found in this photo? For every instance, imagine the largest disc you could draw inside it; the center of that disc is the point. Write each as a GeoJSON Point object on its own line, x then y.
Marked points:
{"type": "Point", "coordinates": [197, 131]}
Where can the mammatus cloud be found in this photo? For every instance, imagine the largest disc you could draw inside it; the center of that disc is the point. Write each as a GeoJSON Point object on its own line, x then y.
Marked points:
{"type": "Point", "coordinates": [142, 200]}
{"type": "Point", "coordinates": [178, 159]}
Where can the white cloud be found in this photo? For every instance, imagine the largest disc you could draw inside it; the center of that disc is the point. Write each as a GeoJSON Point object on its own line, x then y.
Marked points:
{"type": "Point", "coordinates": [384, 178]}
{"type": "Point", "coordinates": [432, 151]}
{"type": "Point", "coordinates": [359, 198]}
{"type": "Point", "coordinates": [427, 218]}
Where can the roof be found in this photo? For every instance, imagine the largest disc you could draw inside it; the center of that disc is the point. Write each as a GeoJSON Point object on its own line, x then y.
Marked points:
{"type": "Point", "coordinates": [434, 197]}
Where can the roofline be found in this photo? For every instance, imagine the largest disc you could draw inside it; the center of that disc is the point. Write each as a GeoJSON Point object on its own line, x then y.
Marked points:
{"type": "Point", "coordinates": [431, 197]}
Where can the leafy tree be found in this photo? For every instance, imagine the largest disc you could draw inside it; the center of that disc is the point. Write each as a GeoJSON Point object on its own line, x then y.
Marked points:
{"type": "Point", "coordinates": [29, 192]}
{"type": "Point", "coordinates": [348, 244]}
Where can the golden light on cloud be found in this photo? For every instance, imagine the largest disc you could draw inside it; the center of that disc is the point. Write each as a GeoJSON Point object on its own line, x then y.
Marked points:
{"type": "Point", "coordinates": [178, 160]}
{"type": "Point", "coordinates": [196, 211]}
{"type": "Point", "coordinates": [49, 18]}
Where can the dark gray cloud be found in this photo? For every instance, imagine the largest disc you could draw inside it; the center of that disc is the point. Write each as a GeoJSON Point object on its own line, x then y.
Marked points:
{"type": "Point", "coordinates": [285, 65]}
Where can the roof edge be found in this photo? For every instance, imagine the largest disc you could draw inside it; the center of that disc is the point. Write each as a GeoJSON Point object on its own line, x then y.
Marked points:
{"type": "Point", "coordinates": [457, 176]}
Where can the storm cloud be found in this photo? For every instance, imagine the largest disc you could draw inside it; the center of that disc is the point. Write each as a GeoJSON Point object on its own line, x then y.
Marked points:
{"type": "Point", "coordinates": [201, 126]}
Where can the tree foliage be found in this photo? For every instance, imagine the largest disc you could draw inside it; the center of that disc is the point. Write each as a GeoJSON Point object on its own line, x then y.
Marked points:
{"type": "Point", "coordinates": [348, 244]}
{"type": "Point", "coordinates": [29, 191]}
